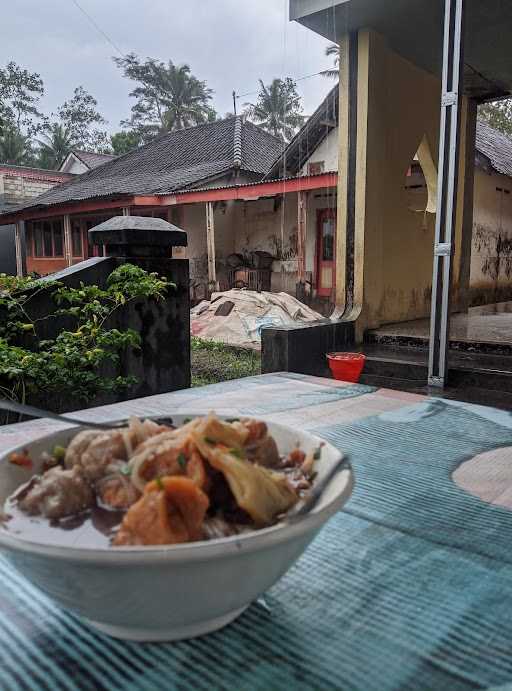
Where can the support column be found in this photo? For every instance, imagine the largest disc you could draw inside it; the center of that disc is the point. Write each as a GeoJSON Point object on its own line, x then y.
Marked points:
{"type": "Point", "coordinates": [302, 205]}
{"type": "Point", "coordinates": [467, 169]}
{"type": "Point", "coordinates": [449, 139]}
{"type": "Point", "coordinates": [126, 210]}
{"type": "Point", "coordinates": [210, 247]}
{"type": "Point", "coordinates": [68, 243]}
{"type": "Point", "coordinates": [21, 248]}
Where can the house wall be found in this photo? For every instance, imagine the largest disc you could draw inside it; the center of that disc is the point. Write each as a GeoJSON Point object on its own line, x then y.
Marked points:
{"type": "Point", "coordinates": [491, 252]}
{"type": "Point", "coordinates": [326, 152]}
{"type": "Point", "coordinates": [17, 188]}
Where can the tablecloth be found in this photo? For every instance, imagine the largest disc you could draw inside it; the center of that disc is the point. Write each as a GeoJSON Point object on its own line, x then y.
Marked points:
{"type": "Point", "coordinates": [409, 587]}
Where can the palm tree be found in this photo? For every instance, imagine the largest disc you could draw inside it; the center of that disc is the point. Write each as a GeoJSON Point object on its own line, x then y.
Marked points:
{"type": "Point", "coordinates": [333, 73]}
{"type": "Point", "coordinates": [278, 108]}
{"type": "Point", "coordinates": [169, 96]}
{"type": "Point", "coordinates": [15, 147]}
{"type": "Point", "coordinates": [185, 98]}
{"type": "Point", "coordinates": [55, 146]}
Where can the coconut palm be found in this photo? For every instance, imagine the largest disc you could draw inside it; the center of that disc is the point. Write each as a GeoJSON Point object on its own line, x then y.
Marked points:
{"type": "Point", "coordinates": [54, 146]}
{"type": "Point", "coordinates": [333, 73]}
{"type": "Point", "coordinates": [169, 96]}
{"type": "Point", "coordinates": [278, 108]}
{"type": "Point", "coordinates": [15, 147]}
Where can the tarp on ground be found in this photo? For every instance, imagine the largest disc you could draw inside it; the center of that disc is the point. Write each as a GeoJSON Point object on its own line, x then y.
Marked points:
{"type": "Point", "coordinates": [236, 317]}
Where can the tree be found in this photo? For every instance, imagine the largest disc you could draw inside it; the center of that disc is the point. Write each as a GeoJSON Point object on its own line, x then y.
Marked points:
{"type": "Point", "coordinates": [497, 115]}
{"type": "Point", "coordinates": [168, 96]}
{"type": "Point", "coordinates": [78, 116]}
{"type": "Point", "coordinates": [20, 91]}
{"type": "Point", "coordinates": [123, 142]}
{"type": "Point", "coordinates": [334, 72]}
{"type": "Point", "coordinates": [15, 147]}
{"type": "Point", "coordinates": [54, 146]}
{"type": "Point", "coordinates": [278, 108]}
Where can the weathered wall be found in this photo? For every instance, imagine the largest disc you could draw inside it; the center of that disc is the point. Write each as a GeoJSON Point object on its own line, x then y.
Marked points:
{"type": "Point", "coordinates": [16, 188]}
{"type": "Point", "coordinates": [326, 153]}
{"type": "Point", "coordinates": [491, 251]}
{"type": "Point", "coordinates": [398, 105]}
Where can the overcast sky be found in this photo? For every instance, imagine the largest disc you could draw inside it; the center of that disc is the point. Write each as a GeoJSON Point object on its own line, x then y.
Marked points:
{"type": "Point", "coordinates": [228, 43]}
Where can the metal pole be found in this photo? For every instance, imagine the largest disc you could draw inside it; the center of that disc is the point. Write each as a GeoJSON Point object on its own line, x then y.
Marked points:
{"type": "Point", "coordinates": [449, 139]}
{"type": "Point", "coordinates": [234, 103]}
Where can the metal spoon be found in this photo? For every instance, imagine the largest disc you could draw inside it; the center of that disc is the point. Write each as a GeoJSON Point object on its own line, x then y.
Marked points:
{"type": "Point", "coordinates": [314, 496]}
{"type": "Point", "coordinates": [23, 409]}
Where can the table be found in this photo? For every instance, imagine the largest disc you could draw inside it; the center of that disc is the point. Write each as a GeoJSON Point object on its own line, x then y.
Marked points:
{"type": "Point", "coordinates": [409, 587]}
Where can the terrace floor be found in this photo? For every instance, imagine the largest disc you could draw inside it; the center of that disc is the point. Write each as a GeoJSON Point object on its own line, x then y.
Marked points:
{"type": "Point", "coordinates": [486, 324]}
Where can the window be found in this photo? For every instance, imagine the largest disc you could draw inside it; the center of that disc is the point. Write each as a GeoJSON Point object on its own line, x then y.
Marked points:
{"type": "Point", "coordinates": [316, 168]}
{"type": "Point", "coordinates": [76, 238]}
{"type": "Point", "coordinates": [421, 181]}
{"type": "Point", "coordinates": [58, 240]}
{"type": "Point", "coordinates": [46, 238]}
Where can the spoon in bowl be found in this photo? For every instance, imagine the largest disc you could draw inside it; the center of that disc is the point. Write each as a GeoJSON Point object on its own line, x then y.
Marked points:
{"type": "Point", "coordinates": [315, 494]}
{"type": "Point", "coordinates": [32, 411]}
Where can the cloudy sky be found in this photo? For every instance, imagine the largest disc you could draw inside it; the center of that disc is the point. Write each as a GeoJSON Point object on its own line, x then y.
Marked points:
{"type": "Point", "coordinates": [228, 43]}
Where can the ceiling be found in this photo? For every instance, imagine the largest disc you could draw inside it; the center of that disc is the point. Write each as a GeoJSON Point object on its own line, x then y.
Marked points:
{"type": "Point", "coordinates": [414, 28]}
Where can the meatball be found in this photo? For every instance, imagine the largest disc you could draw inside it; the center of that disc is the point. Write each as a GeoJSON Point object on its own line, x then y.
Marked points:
{"type": "Point", "coordinates": [58, 493]}
{"type": "Point", "coordinates": [116, 492]}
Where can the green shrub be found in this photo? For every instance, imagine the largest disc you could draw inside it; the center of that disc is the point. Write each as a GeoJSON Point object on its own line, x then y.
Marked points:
{"type": "Point", "coordinates": [69, 366]}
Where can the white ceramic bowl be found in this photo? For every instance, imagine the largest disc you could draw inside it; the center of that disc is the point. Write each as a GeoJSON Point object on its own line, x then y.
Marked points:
{"type": "Point", "coordinates": [175, 592]}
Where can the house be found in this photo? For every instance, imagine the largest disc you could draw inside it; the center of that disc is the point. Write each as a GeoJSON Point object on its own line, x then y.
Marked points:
{"type": "Point", "coordinates": [145, 181]}
{"type": "Point", "coordinates": [236, 191]}
{"type": "Point", "coordinates": [78, 162]}
{"type": "Point", "coordinates": [18, 185]}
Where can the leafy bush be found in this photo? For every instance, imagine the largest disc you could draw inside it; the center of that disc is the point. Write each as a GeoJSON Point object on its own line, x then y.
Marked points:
{"type": "Point", "coordinates": [72, 364]}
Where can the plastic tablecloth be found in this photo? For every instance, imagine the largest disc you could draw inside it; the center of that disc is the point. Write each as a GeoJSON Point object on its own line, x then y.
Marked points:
{"type": "Point", "coordinates": [409, 587]}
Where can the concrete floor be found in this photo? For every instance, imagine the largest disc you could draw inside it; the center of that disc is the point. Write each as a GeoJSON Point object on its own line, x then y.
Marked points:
{"type": "Point", "coordinates": [487, 324]}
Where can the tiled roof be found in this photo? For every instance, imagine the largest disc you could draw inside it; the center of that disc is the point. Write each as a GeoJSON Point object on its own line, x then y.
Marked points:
{"type": "Point", "coordinates": [92, 159]}
{"type": "Point", "coordinates": [496, 147]}
{"type": "Point", "coordinates": [173, 161]}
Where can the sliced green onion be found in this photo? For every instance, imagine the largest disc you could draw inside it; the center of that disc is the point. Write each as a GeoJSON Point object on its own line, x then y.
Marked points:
{"type": "Point", "coordinates": [209, 440]}
{"type": "Point", "coordinates": [159, 483]}
{"type": "Point", "coordinates": [59, 453]}
{"type": "Point", "coordinates": [317, 454]}
{"type": "Point", "coordinates": [238, 453]}
{"type": "Point", "coordinates": [125, 470]}
{"type": "Point", "coordinates": [182, 460]}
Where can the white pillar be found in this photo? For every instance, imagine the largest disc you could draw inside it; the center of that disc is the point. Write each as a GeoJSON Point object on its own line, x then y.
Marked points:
{"type": "Point", "coordinates": [126, 210]}
{"type": "Point", "coordinates": [68, 243]}
{"type": "Point", "coordinates": [20, 248]}
{"type": "Point", "coordinates": [302, 204]}
{"type": "Point", "coordinates": [210, 247]}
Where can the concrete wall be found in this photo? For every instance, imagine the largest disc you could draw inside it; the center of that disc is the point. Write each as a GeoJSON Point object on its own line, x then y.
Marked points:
{"type": "Point", "coordinates": [398, 105]}
{"type": "Point", "coordinates": [326, 153]}
{"type": "Point", "coordinates": [491, 252]}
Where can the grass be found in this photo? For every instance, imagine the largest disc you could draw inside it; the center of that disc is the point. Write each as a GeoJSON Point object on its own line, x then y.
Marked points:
{"type": "Point", "coordinates": [216, 362]}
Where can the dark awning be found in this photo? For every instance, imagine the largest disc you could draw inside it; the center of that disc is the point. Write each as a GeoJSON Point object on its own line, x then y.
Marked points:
{"type": "Point", "coordinates": [414, 28]}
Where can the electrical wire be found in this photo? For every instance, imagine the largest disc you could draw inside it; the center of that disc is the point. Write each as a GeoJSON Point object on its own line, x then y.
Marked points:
{"type": "Point", "coordinates": [98, 28]}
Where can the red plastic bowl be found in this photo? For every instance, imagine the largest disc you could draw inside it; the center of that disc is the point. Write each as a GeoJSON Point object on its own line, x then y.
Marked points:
{"type": "Point", "coordinates": [346, 366]}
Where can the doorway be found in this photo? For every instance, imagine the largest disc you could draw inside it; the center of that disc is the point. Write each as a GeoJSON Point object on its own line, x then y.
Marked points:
{"type": "Point", "coordinates": [325, 252]}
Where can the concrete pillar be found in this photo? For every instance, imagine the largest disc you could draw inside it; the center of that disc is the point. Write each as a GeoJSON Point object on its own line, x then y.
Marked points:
{"type": "Point", "coordinates": [21, 248]}
{"type": "Point", "coordinates": [210, 247]}
{"type": "Point", "coordinates": [302, 205]}
{"type": "Point", "coordinates": [464, 228]}
{"type": "Point", "coordinates": [126, 210]}
{"type": "Point", "coordinates": [68, 243]}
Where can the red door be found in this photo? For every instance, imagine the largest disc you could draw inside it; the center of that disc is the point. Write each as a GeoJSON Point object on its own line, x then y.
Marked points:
{"type": "Point", "coordinates": [325, 252]}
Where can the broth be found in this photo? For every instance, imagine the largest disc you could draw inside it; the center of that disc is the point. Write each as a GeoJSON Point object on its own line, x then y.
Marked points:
{"type": "Point", "coordinates": [92, 528]}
